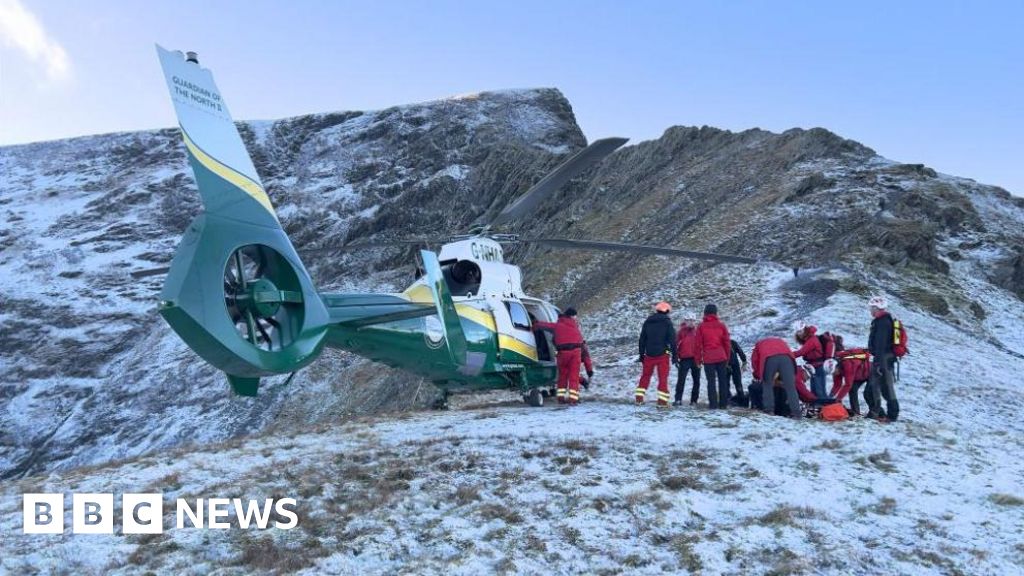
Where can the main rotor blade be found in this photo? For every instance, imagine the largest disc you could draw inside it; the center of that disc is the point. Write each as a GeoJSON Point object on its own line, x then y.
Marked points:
{"type": "Point", "coordinates": [555, 179]}
{"type": "Point", "coordinates": [637, 249]}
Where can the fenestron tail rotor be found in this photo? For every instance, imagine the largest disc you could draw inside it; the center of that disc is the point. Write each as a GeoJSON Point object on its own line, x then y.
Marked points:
{"type": "Point", "coordinates": [261, 297]}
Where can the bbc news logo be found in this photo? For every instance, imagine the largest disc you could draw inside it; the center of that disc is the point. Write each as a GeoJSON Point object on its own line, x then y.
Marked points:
{"type": "Point", "coordinates": [144, 513]}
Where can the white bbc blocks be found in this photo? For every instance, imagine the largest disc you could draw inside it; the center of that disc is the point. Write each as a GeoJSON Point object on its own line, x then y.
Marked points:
{"type": "Point", "coordinates": [43, 513]}
{"type": "Point", "coordinates": [93, 513]}
{"type": "Point", "coordinates": [143, 513]}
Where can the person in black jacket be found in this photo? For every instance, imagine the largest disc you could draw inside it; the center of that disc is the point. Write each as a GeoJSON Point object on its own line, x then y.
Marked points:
{"type": "Point", "coordinates": [657, 346]}
{"type": "Point", "coordinates": [880, 343]}
{"type": "Point", "coordinates": [735, 371]}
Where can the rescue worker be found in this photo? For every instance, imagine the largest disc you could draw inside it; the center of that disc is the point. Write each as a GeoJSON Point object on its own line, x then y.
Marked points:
{"type": "Point", "coordinates": [735, 371]}
{"type": "Point", "coordinates": [880, 345]}
{"type": "Point", "coordinates": [657, 346]}
{"type": "Point", "coordinates": [569, 343]}
{"type": "Point", "coordinates": [686, 341]}
{"type": "Point", "coordinates": [712, 351]}
{"type": "Point", "coordinates": [772, 360]}
{"type": "Point", "coordinates": [852, 372]}
{"type": "Point", "coordinates": [813, 354]}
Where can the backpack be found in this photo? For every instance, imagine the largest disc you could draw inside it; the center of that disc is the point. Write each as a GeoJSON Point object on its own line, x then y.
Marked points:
{"type": "Point", "coordinates": [828, 345]}
{"type": "Point", "coordinates": [863, 359]}
{"type": "Point", "coordinates": [834, 412]}
{"type": "Point", "coordinates": [899, 339]}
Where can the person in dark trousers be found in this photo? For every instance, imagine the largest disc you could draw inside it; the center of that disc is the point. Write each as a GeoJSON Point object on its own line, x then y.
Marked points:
{"type": "Point", "coordinates": [686, 344]}
{"type": "Point", "coordinates": [882, 381]}
{"type": "Point", "coordinates": [657, 346]}
{"type": "Point", "coordinates": [772, 359]}
{"type": "Point", "coordinates": [735, 370]}
{"type": "Point", "coordinates": [712, 351]}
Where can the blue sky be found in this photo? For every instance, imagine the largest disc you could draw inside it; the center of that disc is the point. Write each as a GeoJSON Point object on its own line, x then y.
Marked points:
{"type": "Point", "coordinates": [935, 82]}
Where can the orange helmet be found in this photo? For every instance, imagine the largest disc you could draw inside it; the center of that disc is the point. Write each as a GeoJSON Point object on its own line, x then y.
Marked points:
{"type": "Point", "coordinates": [663, 307]}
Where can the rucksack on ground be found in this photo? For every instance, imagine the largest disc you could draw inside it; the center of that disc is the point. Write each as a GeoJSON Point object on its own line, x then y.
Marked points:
{"type": "Point", "coordinates": [899, 339]}
{"type": "Point", "coordinates": [834, 412]}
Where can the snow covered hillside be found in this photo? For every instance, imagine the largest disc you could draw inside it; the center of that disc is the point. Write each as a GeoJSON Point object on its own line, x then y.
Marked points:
{"type": "Point", "coordinates": [605, 488]}
{"type": "Point", "coordinates": [96, 393]}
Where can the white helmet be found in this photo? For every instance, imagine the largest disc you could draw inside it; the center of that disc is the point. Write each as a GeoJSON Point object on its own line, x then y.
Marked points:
{"type": "Point", "coordinates": [798, 325]}
{"type": "Point", "coordinates": [878, 302]}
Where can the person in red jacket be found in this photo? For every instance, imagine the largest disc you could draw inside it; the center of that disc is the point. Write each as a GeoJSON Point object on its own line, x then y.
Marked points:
{"type": "Point", "coordinates": [570, 344]}
{"type": "Point", "coordinates": [712, 348]}
{"type": "Point", "coordinates": [772, 361]}
{"type": "Point", "coordinates": [686, 351]}
{"type": "Point", "coordinates": [813, 354]}
{"type": "Point", "coordinates": [852, 372]}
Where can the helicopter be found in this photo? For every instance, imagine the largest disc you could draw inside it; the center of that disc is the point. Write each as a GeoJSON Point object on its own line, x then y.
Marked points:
{"type": "Point", "coordinates": [237, 293]}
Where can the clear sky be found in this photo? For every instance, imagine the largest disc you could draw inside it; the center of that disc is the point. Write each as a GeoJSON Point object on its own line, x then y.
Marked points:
{"type": "Point", "coordinates": [935, 82]}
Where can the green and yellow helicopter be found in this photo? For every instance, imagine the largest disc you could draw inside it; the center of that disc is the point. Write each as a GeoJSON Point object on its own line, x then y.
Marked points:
{"type": "Point", "coordinates": [237, 293]}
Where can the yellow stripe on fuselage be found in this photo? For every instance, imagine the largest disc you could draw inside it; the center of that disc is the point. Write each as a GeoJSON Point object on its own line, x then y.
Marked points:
{"type": "Point", "coordinates": [521, 348]}
{"type": "Point", "coordinates": [421, 293]}
{"type": "Point", "coordinates": [228, 173]}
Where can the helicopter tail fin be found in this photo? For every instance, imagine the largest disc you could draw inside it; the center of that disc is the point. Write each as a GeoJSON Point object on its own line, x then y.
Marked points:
{"type": "Point", "coordinates": [468, 362]}
{"type": "Point", "coordinates": [236, 292]}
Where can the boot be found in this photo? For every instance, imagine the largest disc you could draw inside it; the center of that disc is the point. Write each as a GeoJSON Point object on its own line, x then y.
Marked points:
{"type": "Point", "coordinates": [677, 403]}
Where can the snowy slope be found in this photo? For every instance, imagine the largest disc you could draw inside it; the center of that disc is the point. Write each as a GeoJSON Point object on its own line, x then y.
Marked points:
{"type": "Point", "coordinates": [97, 394]}
{"type": "Point", "coordinates": [603, 488]}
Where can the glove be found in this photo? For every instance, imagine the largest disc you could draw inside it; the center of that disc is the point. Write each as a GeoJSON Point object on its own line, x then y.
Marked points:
{"type": "Point", "coordinates": [641, 359]}
{"type": "Point", "coordinates": [590, 373]}
{"type": "Point", "coordinates": [585, 382]}
{"type": "Point", "coordinates": [830, 366]}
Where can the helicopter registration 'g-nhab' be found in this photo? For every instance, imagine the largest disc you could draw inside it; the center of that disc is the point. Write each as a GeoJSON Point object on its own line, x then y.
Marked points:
{"type": "Point", "coordinates": [238, 294]}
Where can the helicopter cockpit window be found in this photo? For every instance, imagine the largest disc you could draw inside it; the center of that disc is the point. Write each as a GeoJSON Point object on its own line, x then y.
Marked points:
{"type": "Point", "coordinates": [518, 315]}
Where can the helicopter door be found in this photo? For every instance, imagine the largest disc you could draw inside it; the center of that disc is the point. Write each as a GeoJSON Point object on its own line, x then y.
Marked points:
{"type": "Point", "coordinates": [544, 338]}
{"type": "Point", "coordinates": [514, 331]}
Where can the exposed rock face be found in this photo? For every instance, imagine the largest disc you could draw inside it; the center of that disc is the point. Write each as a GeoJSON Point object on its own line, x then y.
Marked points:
{"type": "Point", "coordinates": [88, 372]}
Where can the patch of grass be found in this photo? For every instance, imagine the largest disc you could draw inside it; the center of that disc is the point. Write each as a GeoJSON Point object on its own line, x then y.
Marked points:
{"type": "Point", "coordinates": [831, 444]}
{"type": "Point", "coordinates": [881, 460]}
{"type": "Point", "coordinates": [808, 466]}
{"type": "Point", "coordinates": [265, 554]}
{"type": "Point", "coordinates": [677, 482]}
{"type": "Point", "coordinates": [496, 511]}
{"type": "Point", "coordinates": [577, 445]}
{"type": "Point", "coordinates": [636, 560]}
{"type": "Point", "coordinates": [572, 536]}
{"type": "Point", "coordinates": [1006, 499]}
{"type": "Point", "coordinates": [467, 494]}
{"type": "Point", "coordinates": [682, 546]}
{"type": "Point", "coordinates": [496, 534]}
{"type": "Point", "coordinates": [784, 515]}
{"type": "Point", "coordinates": [886, 506]}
